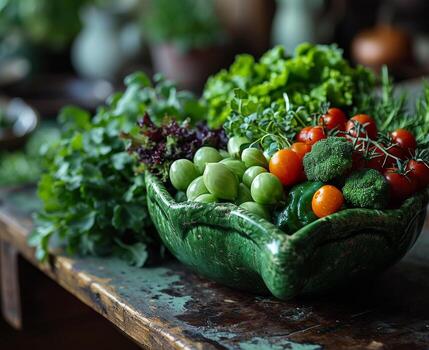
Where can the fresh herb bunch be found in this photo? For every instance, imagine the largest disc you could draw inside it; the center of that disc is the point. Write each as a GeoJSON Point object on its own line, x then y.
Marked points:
{"type": "Point", "coordinates": [390, 111]}
{"type": "Point", "coordinates": [188, 24]}
{"type": "Point", "coordinates": [92, 199]}
{"type": "Point", "coordinates": [273, 127]}
{"type": "Point", "coordinates": [315, 74]}
{"type": "Point", "coordinates": [157, 147]}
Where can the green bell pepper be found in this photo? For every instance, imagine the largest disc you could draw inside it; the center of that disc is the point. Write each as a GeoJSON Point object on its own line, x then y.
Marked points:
{"type": "Point", "coordinates": [298, 211]}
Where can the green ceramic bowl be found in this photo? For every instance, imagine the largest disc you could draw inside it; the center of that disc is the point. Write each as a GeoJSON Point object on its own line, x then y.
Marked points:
{"type": "Point", "coordinates": [231, 246]}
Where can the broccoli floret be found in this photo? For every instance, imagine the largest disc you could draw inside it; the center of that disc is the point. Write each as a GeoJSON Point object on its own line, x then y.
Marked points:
{"type": "Point", "coordinates": [328, 159]}
{"type": "Point", "coordinates": [366, 188]}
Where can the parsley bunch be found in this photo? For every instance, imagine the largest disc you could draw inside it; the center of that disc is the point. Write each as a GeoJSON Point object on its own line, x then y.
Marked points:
{"type": "Point", "coordinates": [273, 127]}
{"type": "Point", "coordinates": [92, 199]}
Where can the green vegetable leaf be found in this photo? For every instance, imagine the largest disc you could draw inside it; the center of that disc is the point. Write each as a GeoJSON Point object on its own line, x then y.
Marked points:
{"type": "Point", "coordinates": [92, 199]}
{"type": "Point", "coordinates": [314, 75]}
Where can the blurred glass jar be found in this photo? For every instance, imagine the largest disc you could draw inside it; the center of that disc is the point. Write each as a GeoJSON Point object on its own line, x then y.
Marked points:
{"type": "Point", "coordinates": [96, 52]}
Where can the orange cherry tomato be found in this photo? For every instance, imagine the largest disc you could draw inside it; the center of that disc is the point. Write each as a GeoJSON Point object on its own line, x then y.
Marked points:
{"type": "Point", "coordinates": [287, 166]}
{"type": "Point", "coordinates": [315, 134]}
{"type": "Point", "coordinates": [367, 122]}
{"type": "Point", "coordinates": [301, 149]}
{"type": "Point", "coordinates": [327, 200]}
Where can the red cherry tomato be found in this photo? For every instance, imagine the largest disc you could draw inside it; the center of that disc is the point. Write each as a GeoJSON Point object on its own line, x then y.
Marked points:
{"type": "Point", "coordinates": [367, 123]}
{"type": "Point", "coordinates": [397, 152]}
{"type": "Point", "coordinates": [301, 149]}
{"type": "Point", "coordinates": [316, 133]}
{"type": "Point", "coordinates": [287, 166]}
{"type": "Point", "coordinates": [401, 186]}
{"type": "Point", "coordinates": [420, 171]}
{"type": "Point", "coordinates": [335, 118]}
{"type": "Point", "coordinates": [405, 139]}
{"type": "Point", "coordinates": [376, 160]}
{"type": "Point", "coordinates": [302, 135]}
{"type": "Point", "coordinates": [358, 161]}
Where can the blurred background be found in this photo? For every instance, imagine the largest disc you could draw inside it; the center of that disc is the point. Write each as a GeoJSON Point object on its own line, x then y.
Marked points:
{"type": "Point", "coordinates": [68, 48]}
{"type": "Point", "coordinates": [59, 52]}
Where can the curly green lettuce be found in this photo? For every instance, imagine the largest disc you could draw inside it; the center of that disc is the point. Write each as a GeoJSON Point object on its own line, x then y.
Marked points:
{"type": "Point", "coordinates": [314, 75]}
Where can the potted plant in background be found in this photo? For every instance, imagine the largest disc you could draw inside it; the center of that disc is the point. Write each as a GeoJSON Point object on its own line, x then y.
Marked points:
{"type": "Point", "coordinates": [186, 40]}
{"type": "Point", "coordinates": [39, 31]}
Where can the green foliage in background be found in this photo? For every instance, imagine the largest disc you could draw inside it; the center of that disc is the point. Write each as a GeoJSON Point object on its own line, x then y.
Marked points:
{"type": "Point", "coordinates": [314, 75]}
{"type": "Point", "coordinates": [25, 166]}
{"type": "Point", "coordinates": [53, 23]}
{"type": "Point", "coordinates": [93, 200]}
{"type": "Point", "coordinates": [188, 24]}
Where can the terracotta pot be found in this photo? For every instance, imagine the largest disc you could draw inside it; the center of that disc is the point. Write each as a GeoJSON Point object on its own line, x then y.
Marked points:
{"type": "Point", "coordinates": [382, 45]}
{"type": "Point", "coordinates": [188, 69]}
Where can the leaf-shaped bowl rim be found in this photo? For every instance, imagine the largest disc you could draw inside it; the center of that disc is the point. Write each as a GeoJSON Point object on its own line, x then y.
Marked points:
{"type": "Point", "coordinates": [273, 242]}
{"type": "Point", "coordinates": [167, 198]}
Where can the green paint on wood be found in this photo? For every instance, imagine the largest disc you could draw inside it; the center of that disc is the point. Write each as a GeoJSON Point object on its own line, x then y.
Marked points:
{"type": "Point", "coordinates": [282, 344]}
{"type": "Point", "coordinates": [236, 248]}
{"type": "Point", "coordinates": [157, 285]}
{"type": "Point", "coordinates": [160, 281]}
{"type": "Point", "coordinates": [217, 335]}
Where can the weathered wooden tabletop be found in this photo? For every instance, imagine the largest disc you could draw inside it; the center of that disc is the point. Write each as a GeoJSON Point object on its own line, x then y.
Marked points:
{"type": "Point", "coordinates": [168, 307]}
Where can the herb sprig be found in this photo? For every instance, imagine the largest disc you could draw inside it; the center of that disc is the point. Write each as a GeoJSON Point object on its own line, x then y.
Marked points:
{"type": "Point", "coordinates": [389, 109]}
{"type": "Point", "coordinates": [273, 127]}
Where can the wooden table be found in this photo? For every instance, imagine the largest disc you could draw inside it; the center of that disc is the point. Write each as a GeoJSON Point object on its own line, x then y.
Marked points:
{"type": "Point", "coordinates": [168, 307]}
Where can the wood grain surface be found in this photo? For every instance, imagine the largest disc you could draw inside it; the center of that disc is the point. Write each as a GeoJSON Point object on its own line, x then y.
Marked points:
{"type": "Point", "coordinates": [168, 307]}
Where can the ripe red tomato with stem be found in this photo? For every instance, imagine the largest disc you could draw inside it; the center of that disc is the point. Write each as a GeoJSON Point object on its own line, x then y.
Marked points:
{"type": "Point", "coordinates": [315, 134]}
{"type": "Point", "coordinates": [405, 139]}
{"type": "Point", "coordinates": [375, 159]}
{"type": "Point", "coordinates": [395, 151]}
{"type": "Point", "coordinates": [420, 171]}
{"type": "Point", "coordinates": [334, 118]}
{"type": "Point", "coordinates": [302, 135]}
{"type": "Point", "coordinates": [401, 185]}
{"type": "Point", "coordinates": [367, 123]}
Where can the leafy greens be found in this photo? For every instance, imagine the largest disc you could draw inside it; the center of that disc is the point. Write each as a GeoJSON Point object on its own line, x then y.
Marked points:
{"type": "Point", "coordinates": [26, 165]}
{"type": "Point", "coordinates": [93, 200]}
{"type": "Point", "coordinates": [314, 75]}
